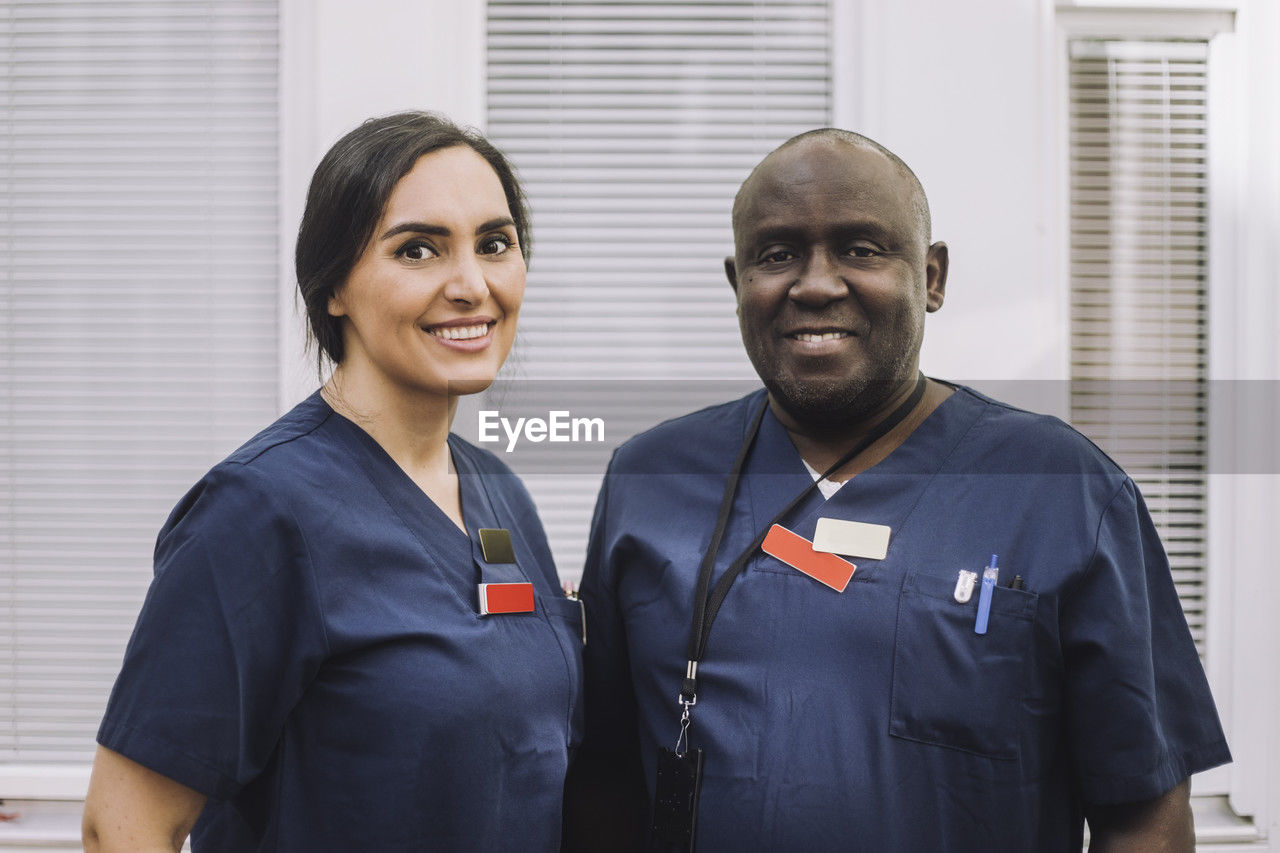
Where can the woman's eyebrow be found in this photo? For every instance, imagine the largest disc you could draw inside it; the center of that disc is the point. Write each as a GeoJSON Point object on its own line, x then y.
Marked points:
{"type": "Point", "coordinates": [495, 224]}
{"type": "Point", "coordinates": [442, 231]}
{"type": "Point", "coordinates": [416, 228]}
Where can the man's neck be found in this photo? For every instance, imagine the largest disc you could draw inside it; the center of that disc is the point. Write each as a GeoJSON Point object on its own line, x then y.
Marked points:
{"type": "Point", "coordinates": [821, 445]}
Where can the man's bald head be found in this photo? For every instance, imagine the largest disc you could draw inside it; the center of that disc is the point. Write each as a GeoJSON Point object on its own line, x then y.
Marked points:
{"type": "Point", "coordinates": [834, 274]}
{"type": "Point", "coordinates": [836, 136]}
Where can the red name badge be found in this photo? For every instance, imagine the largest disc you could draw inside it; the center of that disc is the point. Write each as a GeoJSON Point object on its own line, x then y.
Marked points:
{"type": "Point", "coordinates": [506, 598]}
{"type": "Point", "coordinates": [797, 552]}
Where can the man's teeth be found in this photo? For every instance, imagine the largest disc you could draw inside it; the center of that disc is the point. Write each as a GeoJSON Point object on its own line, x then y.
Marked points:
{"type": "Point", "coordinates": [460, 333]}
{"type": "Point", "coordinates": [825, 336]}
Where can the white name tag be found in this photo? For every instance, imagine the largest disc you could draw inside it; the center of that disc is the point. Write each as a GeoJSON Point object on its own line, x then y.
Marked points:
{"type": "Point", "coordinates": [851, 538]}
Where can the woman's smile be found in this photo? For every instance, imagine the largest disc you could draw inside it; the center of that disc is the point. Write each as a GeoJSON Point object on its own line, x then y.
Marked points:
{"type": "Point", "coordinates": [464, 335]}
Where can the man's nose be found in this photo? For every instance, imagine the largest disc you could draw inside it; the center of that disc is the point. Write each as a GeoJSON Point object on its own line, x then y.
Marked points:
{"type": "Point", "coordinates": [819, 282]}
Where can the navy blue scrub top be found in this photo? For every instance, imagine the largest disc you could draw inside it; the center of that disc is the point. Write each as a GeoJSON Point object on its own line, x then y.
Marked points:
{"type": "Point", "coordinates": [877, 719]}
{"type": "Point", "coordinates": [310, 655]}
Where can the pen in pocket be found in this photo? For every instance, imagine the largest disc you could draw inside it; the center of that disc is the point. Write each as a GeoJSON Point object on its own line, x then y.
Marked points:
{"type": "Point", "coordinates": [990, 575]}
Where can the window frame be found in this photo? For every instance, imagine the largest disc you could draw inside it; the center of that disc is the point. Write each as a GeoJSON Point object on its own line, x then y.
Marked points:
{"type": "Point", "coordinates": [1235, 804]}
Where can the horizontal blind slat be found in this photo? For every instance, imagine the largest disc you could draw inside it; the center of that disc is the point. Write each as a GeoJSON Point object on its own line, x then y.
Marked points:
{"type": "Point", "coordinates": [138, 156]}
{"type": "Point", "coordinates": [1138, 116]}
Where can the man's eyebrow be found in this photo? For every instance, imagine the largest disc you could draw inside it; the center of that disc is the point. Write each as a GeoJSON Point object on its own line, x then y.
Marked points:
{"type": "Point", "coordinates": [442, 231]}
{"type": "Point", "coordinates": [868, 227]}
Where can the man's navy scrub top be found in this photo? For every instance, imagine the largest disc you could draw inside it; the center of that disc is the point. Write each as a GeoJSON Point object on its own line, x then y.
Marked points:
{"type": "Point", "coordinates": [310, 655]}
{"type": "Point", "coordinates": [877, 719]}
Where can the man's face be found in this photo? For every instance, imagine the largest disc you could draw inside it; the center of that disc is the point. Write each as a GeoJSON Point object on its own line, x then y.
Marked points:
{"type": "Point", "coordinates": [833, 276]}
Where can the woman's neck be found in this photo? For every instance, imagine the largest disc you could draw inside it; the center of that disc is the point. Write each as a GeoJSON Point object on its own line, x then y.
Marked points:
{"type": "Point", "coordinates": [412, 428]}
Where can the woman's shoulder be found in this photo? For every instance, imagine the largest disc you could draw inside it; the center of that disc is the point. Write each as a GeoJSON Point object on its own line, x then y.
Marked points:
{"type": "Point", "coordinates": [255, 481]}
{"type": "Point", "coordinates": [287, 435]}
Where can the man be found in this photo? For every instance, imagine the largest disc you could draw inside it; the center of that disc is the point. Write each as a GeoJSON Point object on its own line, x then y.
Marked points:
{"type": "Point", "coordinates": [1009, 656]}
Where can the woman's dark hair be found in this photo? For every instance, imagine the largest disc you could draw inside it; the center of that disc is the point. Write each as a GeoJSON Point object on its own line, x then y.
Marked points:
{"type": "Point", "coordinates": [348, 192]}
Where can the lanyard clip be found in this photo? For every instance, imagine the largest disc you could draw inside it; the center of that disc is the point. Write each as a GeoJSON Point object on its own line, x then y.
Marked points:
{"type": "Point", "coordinates": [689, 687]}
{"type": "Point", "coordinates": [682, 742]}
{"type": "Point", "coordinates": [688, 698]}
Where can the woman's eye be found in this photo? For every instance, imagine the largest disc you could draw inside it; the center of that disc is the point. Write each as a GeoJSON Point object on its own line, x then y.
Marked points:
{"type": "Point", "coordinates": [495, 245]}
{"type": "Point", "coordinates": [415, 251]}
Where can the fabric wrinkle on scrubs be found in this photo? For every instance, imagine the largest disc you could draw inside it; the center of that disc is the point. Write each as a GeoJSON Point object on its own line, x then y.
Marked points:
{"type": "Point", "coordinates": [311, 657]}
{"type": "Point", "coordinates": [877, 719]}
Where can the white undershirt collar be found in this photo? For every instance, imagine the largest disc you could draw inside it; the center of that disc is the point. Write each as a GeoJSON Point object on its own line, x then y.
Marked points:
{"type": "Point", "coordinates": [827, 487]}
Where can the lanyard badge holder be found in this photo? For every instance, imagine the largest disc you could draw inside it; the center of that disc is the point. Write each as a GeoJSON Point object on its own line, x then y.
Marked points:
{"type": "Point", "coordinates": [679, 782]}
{"type": "Point", "coordinates": [679, 776]}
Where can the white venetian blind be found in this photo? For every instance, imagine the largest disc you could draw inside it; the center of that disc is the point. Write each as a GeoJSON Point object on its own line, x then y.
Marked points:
{"type": "Point", "coordinates": [632, 125]}
{"type": "Point", "coordinates": [137, 318]}
{"type": "Point", "coordinates": [1139, 237]}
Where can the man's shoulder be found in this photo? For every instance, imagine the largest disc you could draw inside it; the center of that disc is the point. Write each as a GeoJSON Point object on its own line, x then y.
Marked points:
{"type": "Point", "coordinates": [690, 442]}
{"type": "Point", "coordinates": [1017, 440]}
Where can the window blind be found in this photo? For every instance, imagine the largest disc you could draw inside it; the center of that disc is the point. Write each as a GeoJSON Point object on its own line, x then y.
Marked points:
{"type": "Point", "coordinates": [1139, 237]}
{"type": "Point", "coordinates": [632, 125]}
{"type": "Point", "coordinates": [138, 323]}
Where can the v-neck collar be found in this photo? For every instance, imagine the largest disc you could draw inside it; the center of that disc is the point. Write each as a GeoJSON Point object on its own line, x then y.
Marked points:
{"type": "Point", "coordinates": [405, 497]}
{"type": "Point", "coordinates": [479, 511]}
{"type": "Point", "coordinates": [439, 536]}
{"type": "Point", "coordinates": [885, 493]}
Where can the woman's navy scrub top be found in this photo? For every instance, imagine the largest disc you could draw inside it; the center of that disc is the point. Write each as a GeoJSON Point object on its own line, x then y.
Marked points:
{"type": "Point", "coordinates": [311, 656]}
{"type": "Point", "coordinates": [878, 719]}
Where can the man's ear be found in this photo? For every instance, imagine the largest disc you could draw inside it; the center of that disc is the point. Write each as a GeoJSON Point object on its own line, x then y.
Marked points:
{"type": "Point", "coordinates": [731, 273]}
{"type": "Point", "coordinates": [935, 281]}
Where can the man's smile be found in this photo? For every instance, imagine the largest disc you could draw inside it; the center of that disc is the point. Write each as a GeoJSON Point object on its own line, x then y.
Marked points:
{"type": "Point", "coordinates": [815, 337]}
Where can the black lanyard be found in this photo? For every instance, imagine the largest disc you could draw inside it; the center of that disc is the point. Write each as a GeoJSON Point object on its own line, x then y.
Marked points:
{"type": "Point", "coordinates": [705, 607]}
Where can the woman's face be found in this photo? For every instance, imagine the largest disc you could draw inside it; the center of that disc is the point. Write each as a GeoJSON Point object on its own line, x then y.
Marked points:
{"type": "Point", "coordinates": [430, 307]}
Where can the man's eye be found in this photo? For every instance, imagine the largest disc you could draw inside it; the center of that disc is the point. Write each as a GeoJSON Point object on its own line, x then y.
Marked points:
{"type": "Point", "coordinates": [415, 250]}
{"type": "Point", "coordinates": [778, 256]}
{"type": "Point", "coordinates": [495, 245]}
{"type": "Point", "coordinates": [863, 251]}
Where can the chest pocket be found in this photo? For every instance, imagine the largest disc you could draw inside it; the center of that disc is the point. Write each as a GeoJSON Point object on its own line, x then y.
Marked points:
{"type": "Point", "coordinates": [952, 687]}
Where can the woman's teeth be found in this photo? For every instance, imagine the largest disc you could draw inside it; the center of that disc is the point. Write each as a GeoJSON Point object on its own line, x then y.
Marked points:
{"type": "Point", "coordinates": [460, 333]}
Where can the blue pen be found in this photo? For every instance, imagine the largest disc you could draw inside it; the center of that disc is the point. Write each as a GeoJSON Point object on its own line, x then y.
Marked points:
{"type": "Point", "coordinates": [989, 577]}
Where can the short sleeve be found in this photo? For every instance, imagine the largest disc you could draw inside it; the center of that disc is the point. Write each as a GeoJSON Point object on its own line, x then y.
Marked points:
{"type": "Point", "coordinates": [228, 638]}
{"type": "Point", "coordinates": [610, 699]}
{"type": "Point", "coordinates": [1140, 717]}
{"type": "Point", "coordinates": [605, 801]}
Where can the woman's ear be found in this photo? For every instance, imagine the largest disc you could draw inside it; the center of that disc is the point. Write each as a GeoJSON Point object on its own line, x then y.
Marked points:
{"type": "Point", "coordinates": [336, 308]}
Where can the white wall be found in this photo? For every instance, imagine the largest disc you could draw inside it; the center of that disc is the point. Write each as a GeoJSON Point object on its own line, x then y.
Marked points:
{"type": "Point", "coordinates": [343, 61]}
{"type": "Point", "coordinates": [958, 91]}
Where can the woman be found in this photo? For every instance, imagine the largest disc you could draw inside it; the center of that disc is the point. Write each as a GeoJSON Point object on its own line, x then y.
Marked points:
{"type": "Point", "coordinates": [313, 668]}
